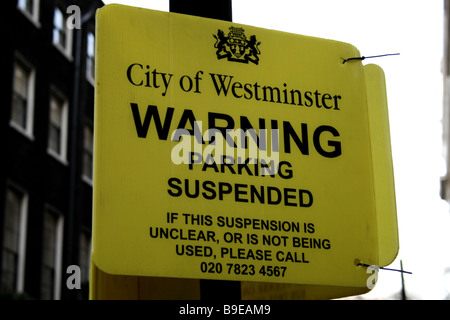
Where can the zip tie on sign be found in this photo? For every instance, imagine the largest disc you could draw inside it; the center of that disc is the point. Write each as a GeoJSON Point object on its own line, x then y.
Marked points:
{"type": "Point", "coordinates": [362, 58]}
{"type": "Point", "coordinates": [388, 269]}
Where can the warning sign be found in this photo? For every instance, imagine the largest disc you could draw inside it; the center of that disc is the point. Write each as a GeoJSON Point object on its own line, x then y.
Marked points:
{"type": "Point", "coordinates": [225, 151]}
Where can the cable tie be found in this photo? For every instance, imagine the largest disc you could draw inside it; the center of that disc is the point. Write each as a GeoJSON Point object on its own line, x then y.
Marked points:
{"type": "Point", "coordinates": [383, 268]}
{"type": "Point", "coordinates": [362, 58]}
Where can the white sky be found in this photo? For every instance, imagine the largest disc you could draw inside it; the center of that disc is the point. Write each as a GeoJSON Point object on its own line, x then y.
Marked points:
{"type": "Point", "coordinates": [413, 28]}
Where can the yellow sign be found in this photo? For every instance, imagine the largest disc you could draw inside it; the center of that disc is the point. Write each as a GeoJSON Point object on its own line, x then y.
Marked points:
{"type": "Point", "coordinates": [225, 151]}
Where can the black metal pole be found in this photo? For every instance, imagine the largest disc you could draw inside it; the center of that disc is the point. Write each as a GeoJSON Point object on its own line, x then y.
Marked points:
{"type": "Point", "coordinates": [210, 290]}
{"type": "Point", "coordinates": [72, 223]}
{"type": "Point", "coordinates": [217, 9]}
{"type": "Point", "coordinates": [403, 282]}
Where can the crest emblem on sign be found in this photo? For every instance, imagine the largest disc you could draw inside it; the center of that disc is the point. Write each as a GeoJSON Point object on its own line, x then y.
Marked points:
{"type": "Point", "coordinates": [236, 46]}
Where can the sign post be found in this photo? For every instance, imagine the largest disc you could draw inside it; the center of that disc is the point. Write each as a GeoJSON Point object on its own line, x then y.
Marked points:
{"type": "Point", "coordinates": [220, 9]}
{"type": "Point", "coordinates": [229, 152]}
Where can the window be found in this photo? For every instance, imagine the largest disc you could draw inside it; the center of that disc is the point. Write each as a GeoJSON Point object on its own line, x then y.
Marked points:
{"type": "Point", "coordinates": [26, 5]}
{"type": "Point", "coordinates": [85, 256]}
{"type": "Point", "coordinates": [52, 254]}
{"type": "Point", "coordinates": [57, 131]}
{"type": "Point", "coordinates": [30, 8]}
{"type": "Point", "coordinates": [90, 58]}
{"type": "Point", "coordinates": [23, 98]}
{"type": "Point", "coordinates": [88, 153]}
{"type": "Point", "coordinates": [62, 36]}
{"type": "Point", "coordinates": [14, 238]}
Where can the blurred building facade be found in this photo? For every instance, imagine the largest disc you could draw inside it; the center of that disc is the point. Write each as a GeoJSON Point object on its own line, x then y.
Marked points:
{"type": "Point", "coordinates": [47, 63]}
